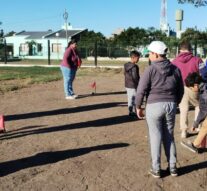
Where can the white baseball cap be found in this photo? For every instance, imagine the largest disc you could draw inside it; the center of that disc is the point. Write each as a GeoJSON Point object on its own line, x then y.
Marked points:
{"type": "Point", "coordinates": [158, 47]}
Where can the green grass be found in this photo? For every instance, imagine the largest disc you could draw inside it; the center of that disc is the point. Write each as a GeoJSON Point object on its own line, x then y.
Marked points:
{"type": "Point", "coordinates": [36, 73]}
{"type": "Point", "coordinates": [14, 78]}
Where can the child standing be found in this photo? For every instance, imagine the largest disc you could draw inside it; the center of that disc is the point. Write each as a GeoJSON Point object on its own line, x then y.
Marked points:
{"type": "Point", "coordinates": [131, 73]}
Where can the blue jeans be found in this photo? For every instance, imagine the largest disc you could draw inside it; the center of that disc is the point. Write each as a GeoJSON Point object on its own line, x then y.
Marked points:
{"type": "Point", "coordinates": [161, 120]}
{"type": "Point", "coordinates": [68, 77]}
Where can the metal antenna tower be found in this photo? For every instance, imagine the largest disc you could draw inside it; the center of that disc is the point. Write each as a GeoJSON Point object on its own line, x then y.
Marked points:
{"type": "Point", "coordinates": [65, 16]}
{"type": "Point", "coordinates": [163, 16]}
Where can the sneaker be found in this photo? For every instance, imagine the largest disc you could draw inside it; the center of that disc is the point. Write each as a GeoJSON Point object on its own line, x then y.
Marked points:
{"type": "Point", "coordinates": [69, 97]}
{"type": "Point", "coordinates": [75, 96]}
{"type": "Point", "coordinates": [184, 134]}
{"type": "Point", "coordinates": [189, 146]}
{"type": "Point", "coordinates": [155, 174]}
{"type": "Point", "coordinates": [174, 171]}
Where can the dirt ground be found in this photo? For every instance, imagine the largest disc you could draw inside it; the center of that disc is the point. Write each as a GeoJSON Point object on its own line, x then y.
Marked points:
{"type": "Point", "coordinates": [90, 143]}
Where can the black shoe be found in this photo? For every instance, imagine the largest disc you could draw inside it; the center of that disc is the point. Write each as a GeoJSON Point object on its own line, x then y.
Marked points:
{"type": "Point", "coordinates": [155, 174]}
{"type": "Point", "coordinates": [132, 114]}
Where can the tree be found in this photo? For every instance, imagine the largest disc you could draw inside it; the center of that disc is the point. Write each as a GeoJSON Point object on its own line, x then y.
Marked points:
{"type": "Point", "coordinates": [196, 38]}
{"type": "Point", "coordinates": [1, 33]}
{"type": "Point", "coordinates": [196, 3]}
{"type": "Point", "coordinates": [87, 44]}
{"type": "Point", "coordinates": [11, 33]}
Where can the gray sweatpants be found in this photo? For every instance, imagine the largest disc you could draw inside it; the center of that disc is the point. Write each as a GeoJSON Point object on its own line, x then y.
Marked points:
{"type": "Point", "coordinates": [161, 120]}
{"type": "Point", "coordinates": [131, 93]}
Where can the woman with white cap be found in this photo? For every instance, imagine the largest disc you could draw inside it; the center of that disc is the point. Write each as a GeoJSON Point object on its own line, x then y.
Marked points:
{"type": "Point", "coordinates": [162, 85]}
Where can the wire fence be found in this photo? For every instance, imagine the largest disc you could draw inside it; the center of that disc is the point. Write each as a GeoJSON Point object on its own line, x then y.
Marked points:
{"type": "Point", "coordinates": [93, 52]}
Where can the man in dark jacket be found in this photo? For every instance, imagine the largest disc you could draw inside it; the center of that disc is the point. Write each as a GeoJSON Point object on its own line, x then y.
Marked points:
{"type": "Point", "coordinates": [131, 73]}
{"type": "Point", "coordinates": [162, 84]}
{"type": "Point", "coordinates": [187, 63]}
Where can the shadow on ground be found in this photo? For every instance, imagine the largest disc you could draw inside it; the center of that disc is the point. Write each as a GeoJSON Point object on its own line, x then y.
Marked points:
{"type": "Point", "coordinates": [51, 157]}
{"type": "Point", "coordinates": [62, 111]}
{"type": "Point", "coordinates": [94, 123]}
{"type": "Point", "coordinates": [101, 94]}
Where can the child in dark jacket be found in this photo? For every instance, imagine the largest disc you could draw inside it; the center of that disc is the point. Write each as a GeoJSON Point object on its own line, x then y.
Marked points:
{"type": "Point", "coordinates": [193, 80]}
{"type": "Point", "coordinates": [131, 73]}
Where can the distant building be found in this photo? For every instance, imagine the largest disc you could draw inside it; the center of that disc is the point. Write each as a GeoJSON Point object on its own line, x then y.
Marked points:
{"type": "Point", "coordinates": [34, 44]}
{"type": "Point", "coordinates": [117, 31]}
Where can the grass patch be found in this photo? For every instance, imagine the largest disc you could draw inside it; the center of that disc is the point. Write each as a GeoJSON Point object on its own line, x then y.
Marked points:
{"type": "Point", "coordinates": [35, 73]}
{"type": "Point", "coordinates": [14, 78]}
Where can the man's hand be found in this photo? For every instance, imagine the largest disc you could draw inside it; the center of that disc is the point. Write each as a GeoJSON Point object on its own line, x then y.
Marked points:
{"type": "Point", "coordinates": [140, 113]}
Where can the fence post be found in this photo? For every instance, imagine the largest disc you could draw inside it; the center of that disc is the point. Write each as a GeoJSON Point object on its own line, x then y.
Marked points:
{"type": "Point", "coordinates": [195, 49]}
{"type": "Point", "coordinates": [5, 51]}
{"type": "Point", "coordinates": [95, 54]}
{"type": "Point", "coordinates": [48, 45]}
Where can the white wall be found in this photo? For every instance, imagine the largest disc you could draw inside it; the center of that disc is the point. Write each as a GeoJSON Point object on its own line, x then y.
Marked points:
{"type": "Point", "coordinates": [17, 40]}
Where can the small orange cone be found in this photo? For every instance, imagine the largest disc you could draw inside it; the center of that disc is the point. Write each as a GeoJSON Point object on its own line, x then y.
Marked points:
{"type": "Point", "coordinates": [203, 143]}
{"type": "Point", "coordinates": [2, 125]}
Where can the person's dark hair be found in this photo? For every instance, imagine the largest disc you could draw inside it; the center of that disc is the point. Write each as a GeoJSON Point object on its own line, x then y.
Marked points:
{"type": "Point", "coordinates": [185, 45]}
{"type": "Point", "coordinates": [72, 41]}
{"type": "Point", "coordinates": [134, 53]}
{"type": "Point", "coordinates": [163, 55]}
{"type": "Point", "coordinates": [192, 79]}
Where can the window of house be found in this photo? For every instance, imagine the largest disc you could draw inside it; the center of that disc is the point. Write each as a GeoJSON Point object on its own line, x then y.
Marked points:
{"type": "Point", "coordinates": [56, 47]}
{"type": "Point", "coordinates": [24, 47]}
{"type": "Point", "coordinates": [39, 47]}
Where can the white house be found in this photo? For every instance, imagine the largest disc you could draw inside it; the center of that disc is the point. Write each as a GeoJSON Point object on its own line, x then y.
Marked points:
{"type": "Point", "coordinates": [40, 44]}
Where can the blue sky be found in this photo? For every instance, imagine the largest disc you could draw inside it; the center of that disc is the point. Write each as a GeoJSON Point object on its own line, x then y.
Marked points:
{"type": "Point", "coordinates": [103, 16]}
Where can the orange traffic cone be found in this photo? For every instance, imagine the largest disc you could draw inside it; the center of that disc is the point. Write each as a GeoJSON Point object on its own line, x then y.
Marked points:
{"type": "Point", "coordinates": [203, 143]}
{"type": "Point", "coordinates": [2, 125]}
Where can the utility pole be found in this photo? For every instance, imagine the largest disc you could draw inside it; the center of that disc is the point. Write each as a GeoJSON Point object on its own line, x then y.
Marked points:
{"type": "Point", "coordinates": [65, 16]}
{"type": "Point", "coordinates": [5, 51]}
{"type": "Point", "coordinates": [48, 46]}
{"type": "Point", "coordinates": [95, 54]}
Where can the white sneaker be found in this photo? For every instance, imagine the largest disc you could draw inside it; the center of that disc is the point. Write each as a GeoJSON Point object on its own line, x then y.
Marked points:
{"type": "Point", "coordinates": [75, 96]}
{"type": "Point", "coordinates": [184, 134]}
{"type": "Point", "coordinates": [69, 97]}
